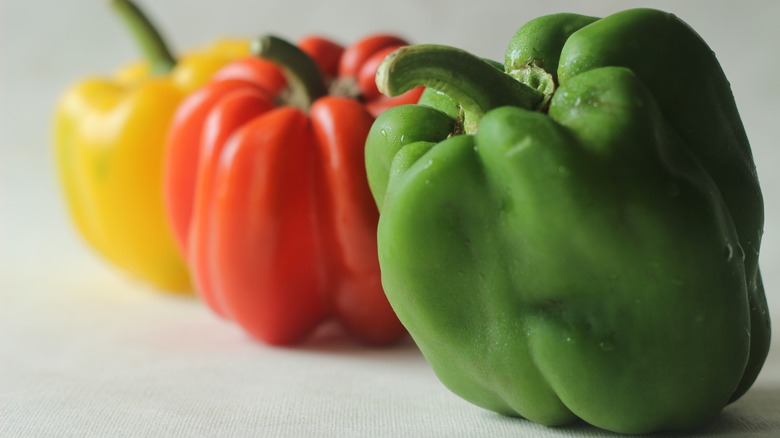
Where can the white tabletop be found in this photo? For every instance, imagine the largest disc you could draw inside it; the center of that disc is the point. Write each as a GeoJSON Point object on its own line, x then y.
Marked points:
{"type": "Point", "coordinates": [86, 352]}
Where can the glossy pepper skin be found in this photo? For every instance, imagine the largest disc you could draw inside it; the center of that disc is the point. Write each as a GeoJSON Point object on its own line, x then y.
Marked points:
{"type": "Point", "coordinates": [109, 136]}
{"type": "Point", "coordinates": [267, 194]}
{"type": "Point", "coordinates": [581, 239]}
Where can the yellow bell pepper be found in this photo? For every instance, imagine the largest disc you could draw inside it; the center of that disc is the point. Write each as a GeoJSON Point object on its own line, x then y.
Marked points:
{"type": "Point", "coordinates": [110, 135]}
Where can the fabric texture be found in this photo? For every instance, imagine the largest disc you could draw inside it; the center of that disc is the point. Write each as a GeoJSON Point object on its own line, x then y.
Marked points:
{"type": "Point", "coordinates": [109, 357]}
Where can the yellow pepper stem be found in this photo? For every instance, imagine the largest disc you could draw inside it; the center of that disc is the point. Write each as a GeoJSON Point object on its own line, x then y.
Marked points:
{"type": "Point", "coordinates": [147, 36]}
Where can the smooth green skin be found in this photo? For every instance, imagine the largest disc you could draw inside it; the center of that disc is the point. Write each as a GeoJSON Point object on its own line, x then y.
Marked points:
{"type": "Point", "coordinates": [586, 262]}
{"type": "Point", "coordinates": [694, 96]}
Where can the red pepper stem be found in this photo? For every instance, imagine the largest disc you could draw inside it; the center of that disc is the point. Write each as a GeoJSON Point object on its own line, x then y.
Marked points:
{"type": "Point", "coordinates": [305, 81]}
{"type": "Point", "coordinates": [147, 36]}
{"type": "Point", "coordinates": [476, 85]}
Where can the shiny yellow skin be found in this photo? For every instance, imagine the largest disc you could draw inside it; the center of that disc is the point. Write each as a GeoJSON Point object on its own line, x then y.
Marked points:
{"type": "Point", "coordinates": [109, 138]}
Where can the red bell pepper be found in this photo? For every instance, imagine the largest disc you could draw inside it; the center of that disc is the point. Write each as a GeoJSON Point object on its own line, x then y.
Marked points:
{"type": "Point", "coordinates": [267, 195]}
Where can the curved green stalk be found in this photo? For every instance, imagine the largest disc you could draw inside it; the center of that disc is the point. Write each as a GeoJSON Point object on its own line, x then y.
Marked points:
{"type": "Point", "coordinates": [476, 85]}
{"type": "Point", "coordinates": [304, 79]}
{"type": "Point", "coordinates": [147, 36]}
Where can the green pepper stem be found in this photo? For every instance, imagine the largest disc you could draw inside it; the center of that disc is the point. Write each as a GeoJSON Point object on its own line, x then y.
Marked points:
{"type": "Point", "coordinates": [472, 82]}
{"type": "Point", "coordinates": [147, 36]}
{"type": "Point", "coordinates": [305, 81]}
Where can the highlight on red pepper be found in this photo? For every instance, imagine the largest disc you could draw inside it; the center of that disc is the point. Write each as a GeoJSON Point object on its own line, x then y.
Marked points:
{"type": "Point", "coordinates": [109, 140]}
{"type": "Point", "coordinates": [266, 190]}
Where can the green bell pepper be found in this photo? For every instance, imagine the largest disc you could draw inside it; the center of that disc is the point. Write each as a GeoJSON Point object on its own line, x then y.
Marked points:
{"type": "Point", "coordinates": [576, 236]}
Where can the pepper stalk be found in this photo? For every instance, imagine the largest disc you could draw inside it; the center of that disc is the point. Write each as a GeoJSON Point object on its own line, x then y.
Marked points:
{"type": "Point", "coordinates": [305, 82]}
{"type": "Point", "coordinates": [469, 80]}
{"type": "Point", "coordinates": [148, 38]}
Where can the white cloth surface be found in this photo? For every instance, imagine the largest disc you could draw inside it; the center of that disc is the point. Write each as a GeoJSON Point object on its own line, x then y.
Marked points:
{"type": "Point", "coordinates": [116, 360]}
{"type": "Point", "coordinates": [85, 352]}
